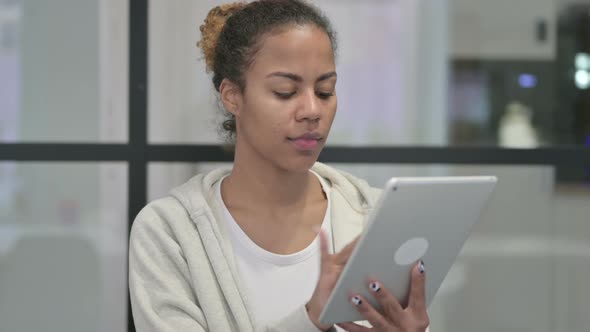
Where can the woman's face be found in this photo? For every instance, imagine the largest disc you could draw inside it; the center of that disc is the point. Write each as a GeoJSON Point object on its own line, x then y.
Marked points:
{"type": "Point", "coordinates": [287, 108]}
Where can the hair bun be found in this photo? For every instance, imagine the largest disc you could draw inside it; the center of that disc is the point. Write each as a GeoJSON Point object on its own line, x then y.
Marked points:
{"type": "Point", "coordinates": [211, 29]}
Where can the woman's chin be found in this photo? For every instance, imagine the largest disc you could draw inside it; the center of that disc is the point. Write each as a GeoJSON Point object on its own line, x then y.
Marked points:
{"type": "Point", "coordinates": [300, 163]}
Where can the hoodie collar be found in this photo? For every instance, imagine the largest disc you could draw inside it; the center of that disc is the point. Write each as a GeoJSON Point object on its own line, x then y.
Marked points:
{"type": "Point", "coordinates": [352, 200]}
{"type": "Point", "coordinates": [198, 191]}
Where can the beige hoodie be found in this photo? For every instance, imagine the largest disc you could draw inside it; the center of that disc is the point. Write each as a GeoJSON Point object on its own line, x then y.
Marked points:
{"type": "Point", "coordinates": [182, 274]}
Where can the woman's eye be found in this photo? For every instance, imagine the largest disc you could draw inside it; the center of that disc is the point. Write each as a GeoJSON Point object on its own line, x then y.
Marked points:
{"type": "Point", "coordinates": [284, 95]}
{"type": "Point", "coordinates": [325, 95]}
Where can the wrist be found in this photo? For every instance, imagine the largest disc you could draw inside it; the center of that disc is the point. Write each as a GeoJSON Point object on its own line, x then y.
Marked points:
{"type": "Point", "coordinates": [314, 316]}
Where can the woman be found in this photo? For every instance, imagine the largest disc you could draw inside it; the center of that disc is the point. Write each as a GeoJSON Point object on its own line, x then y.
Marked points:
{"type": "Point", "coordinates": [240, 249]}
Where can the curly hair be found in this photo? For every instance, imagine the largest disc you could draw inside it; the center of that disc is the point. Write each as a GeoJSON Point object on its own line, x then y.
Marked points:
{"type": "Point", "coordinates": [231, 36]}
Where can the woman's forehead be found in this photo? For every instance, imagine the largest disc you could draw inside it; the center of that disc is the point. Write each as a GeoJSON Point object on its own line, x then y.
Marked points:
{"type": "Point", "coordinates": [295, 48]}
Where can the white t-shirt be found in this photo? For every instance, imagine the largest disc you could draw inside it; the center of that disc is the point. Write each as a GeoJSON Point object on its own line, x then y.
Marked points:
{"type": "Point", "coordinates": [276, 284]}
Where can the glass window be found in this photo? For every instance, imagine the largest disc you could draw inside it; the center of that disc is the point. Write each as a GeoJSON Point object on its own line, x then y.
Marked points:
{"type": "Point", "coordinates": [164, 176]}
{"type": "Point", "coordinates": [519, 73]}
{"type": "Point", "coordinates": [375, 64]}
{"type": "Point", "coordinates": [63, 246]}
{"type": "Point", "coordinates": [437, 73]}
{"type": "Point", "coordinates": [63, 71]}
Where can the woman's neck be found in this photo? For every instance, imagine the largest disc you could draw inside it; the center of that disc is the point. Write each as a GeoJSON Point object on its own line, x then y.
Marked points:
{"type": "Point", "coordinates": [275, 207]}
{"type": "Point", "coordinates": [267, 185]}
{"type": "Point", "coordinates": [255, 182]}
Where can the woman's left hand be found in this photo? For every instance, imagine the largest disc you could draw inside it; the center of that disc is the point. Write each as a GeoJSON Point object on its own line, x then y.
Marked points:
{"type": "Point", "coordinates": [394, 317]}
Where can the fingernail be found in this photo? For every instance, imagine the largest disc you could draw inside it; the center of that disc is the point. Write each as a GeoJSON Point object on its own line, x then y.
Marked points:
{"type": "Point", "coordinates": [375, 287]}
{"type": "Point", "coordinates": [421, 268]}
{"type": "Point", "coordinates": [356, 300]}
{"type": "Point", "coordinates": [316, 228]}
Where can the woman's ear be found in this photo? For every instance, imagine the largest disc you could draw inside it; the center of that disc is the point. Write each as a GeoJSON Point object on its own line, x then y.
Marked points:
{"type": "Point", "coordinates": [231, 96]}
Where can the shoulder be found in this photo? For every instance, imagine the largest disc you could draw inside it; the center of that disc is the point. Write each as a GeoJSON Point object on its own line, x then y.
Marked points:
{"type": "Point", "coordinates": [183, 202]}
{"type": "Point", "coordinates": [356, 191]}
{"type": "Point", "coordinates": [159, 221]}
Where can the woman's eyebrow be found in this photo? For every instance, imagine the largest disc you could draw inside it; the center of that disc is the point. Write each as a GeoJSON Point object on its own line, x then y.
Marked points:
{"type": "Point", "coordinates": [327, 76]}
{"type": "Point", "coordinates": [298, 78]}
{"type": "Point", "coordinates": [290, 76]}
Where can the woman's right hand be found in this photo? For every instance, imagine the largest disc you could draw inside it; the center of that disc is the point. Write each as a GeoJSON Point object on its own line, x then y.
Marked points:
{"type": "Point", "coordinates": [330, 268]}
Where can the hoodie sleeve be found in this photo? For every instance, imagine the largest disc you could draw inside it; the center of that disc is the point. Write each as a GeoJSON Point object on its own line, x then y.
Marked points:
{"type": "Point", "coordinates": [161, 296]}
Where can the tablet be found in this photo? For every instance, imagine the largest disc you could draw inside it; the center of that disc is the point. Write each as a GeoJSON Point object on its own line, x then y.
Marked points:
{"type": "Point", "coordinates": [425, 218]}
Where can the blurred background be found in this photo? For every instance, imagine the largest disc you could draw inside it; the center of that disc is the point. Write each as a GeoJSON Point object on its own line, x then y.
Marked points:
{"type": "Point", "coordinates": [105, 105]}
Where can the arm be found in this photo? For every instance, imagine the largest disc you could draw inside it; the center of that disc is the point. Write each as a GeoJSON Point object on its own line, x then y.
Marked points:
{"type": "Point", "coordinates": [161, 295]}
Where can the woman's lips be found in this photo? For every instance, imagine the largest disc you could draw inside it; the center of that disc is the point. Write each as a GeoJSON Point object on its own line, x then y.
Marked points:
{"type": "Point", "coordinates": [305, 144]}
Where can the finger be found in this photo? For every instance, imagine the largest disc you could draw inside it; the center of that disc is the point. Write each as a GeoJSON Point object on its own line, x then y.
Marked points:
{"type": "Point", "coordinates": [345, 253]}
{"type": "Point", "coordinates": [324, 252]}
{"type": "Point", "coordinates": [391, 306]}
{"type": "Point", "coordinates": [417, 299]}
{"type": "Point", "coordinates": [368, 312]}
{"type": "Point", "coordinates": [352, 327]}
